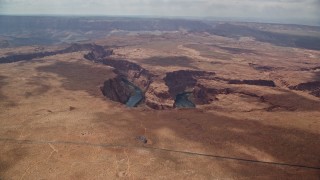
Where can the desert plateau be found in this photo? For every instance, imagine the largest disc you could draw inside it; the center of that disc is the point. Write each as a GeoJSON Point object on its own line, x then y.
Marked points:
{"type": "Point", "coordinates": [157, 98]}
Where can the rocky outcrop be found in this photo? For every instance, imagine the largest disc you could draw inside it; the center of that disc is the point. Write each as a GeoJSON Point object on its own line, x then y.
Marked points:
{"type": "Point", "coordinates": [268, 83]}
{"type": "Point", "coordinates": [129, 71]}
{"type": "Point", "coordinates": [200, 95]}
{"type": "Point", "coordinates": [183, 88]}
{"type": "Point", "coordinates": [183, 81]}
{"type": "Point", "coordinates": [117, 89]}
{"type": "Point", "coordinates": [312, 87]}
{"type": "Point", "coordinates": [179, 81]}
{"type": "Point", "coordinates": [97, 53]}
{"type": "Point", "coordinates": [158, 96]}
{"type": "Point", "coordinates": [133, 72]}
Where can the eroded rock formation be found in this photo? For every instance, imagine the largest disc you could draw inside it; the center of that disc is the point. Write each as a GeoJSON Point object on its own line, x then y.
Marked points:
{"type": "Point", "coordinates": [158, 96]}
{"type": "Point", "coordinates": [117, 89]}
{"type": "Point", "coordinates": [133, 72]}
{"type": "Point", "coordinates": [182, 88]}
{"type": "Point", "coordinates": [179, 81]}
{"type": "Point", "coordinates": [98, 52]}
{"type": "Point", "coordinates": [312, 87]}
{"type": "Point", "coordinates": [128, 71]}
{"type": "Point", "coordinates": [183, 81]}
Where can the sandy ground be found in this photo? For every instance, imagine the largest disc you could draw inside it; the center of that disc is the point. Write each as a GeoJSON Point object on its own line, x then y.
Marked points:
{"type": "Point", "coordinates": [55, 124]}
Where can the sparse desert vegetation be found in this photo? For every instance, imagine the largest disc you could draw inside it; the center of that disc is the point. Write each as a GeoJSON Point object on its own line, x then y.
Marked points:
{"type": "Point", "coordinates": [252, 98]}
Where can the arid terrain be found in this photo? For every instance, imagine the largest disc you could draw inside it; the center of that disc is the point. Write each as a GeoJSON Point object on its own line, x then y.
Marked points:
{"type": "Point", "coordinates": [217, 101]}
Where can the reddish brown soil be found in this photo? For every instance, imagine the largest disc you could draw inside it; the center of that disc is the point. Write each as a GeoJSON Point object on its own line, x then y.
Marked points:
{"type": "Point", "coordinates": [245, 132]}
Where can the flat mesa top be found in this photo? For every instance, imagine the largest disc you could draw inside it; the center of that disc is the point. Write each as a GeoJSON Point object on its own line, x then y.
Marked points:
{"type": "Point", "coordinates": [206, 99]}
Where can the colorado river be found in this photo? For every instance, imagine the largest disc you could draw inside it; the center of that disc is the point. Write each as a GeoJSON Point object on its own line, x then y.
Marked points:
{"type": "Point", "coordinates": [137, 96]}
{"type": "Point", "coordinates": [182, 101]}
